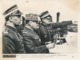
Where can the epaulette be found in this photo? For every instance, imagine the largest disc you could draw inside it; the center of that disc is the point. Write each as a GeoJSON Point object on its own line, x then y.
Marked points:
{"type": "Point", "coordinates": [5, 32]}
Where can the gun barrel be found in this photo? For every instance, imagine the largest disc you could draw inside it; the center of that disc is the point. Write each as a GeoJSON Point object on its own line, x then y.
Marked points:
{"type": "Point", "coordinates": [58, 15]}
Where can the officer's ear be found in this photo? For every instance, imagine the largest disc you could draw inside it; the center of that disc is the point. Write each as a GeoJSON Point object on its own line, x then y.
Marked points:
{"type": "Point", "coordinates": [10, 18]}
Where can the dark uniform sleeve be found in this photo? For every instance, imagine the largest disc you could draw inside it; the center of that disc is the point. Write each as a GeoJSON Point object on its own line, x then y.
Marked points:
{"type": "Point", "coordinates": [11, 45]}
{"type": "Point", "coordinates": [43, 35]}
{"type": "Point", "coordinates": [8, 46]}
{"type": "Point", "coordinates": [31, 47]}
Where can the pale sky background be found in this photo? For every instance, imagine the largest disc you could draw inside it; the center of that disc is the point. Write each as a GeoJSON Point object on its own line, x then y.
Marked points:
{"type": "Point", "coordinates": [69, 9]}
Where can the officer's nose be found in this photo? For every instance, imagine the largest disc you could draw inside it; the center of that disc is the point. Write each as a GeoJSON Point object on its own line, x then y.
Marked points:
{"type": "Point", "coordinates": [20, 22]}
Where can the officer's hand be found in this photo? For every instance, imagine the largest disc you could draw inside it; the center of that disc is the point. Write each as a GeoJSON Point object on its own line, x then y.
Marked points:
{"type": "Point", "coordinates": [51, 45]}
{"type": "Point", "coordinates": [48, 42]}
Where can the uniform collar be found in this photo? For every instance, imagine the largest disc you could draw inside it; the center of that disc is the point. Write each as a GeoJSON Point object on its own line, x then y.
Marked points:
{"type": "Point", "coordinates": [12, 28]}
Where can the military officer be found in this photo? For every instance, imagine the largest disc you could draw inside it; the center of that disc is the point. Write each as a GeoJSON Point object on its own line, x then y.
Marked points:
{"type": "Point", "coordinates": [47, 28]}
{"type": "Point", "coordinates": [46, 31]}
{"type": "Point", "coordinates": [12, 40]}
{"type": "Point", "coordinates": [32, 41]}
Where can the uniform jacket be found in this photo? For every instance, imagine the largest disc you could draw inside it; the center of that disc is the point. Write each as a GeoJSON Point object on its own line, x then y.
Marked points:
{"type": "Point", "coordinates": [12, 41]}
{"type": "Point", "coordinates": [32, 42]}
{"type": "Point", "coordinates": [46, 33]}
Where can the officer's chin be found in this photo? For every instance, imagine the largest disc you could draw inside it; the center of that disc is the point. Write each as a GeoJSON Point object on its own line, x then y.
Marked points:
{"type": "Point", "coordinates": [49, 22]}
{"type": "Point", "coordinates": [35, 28]}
